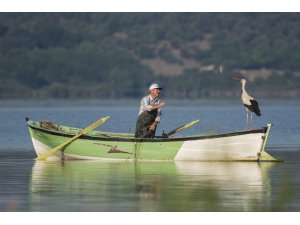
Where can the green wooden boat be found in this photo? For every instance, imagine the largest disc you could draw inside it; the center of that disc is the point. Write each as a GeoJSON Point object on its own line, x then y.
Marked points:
{"type": "Point", "coordinates": [246, 145]}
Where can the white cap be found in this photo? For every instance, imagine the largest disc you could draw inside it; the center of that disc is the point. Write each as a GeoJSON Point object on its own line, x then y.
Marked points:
{"type": "Point", "coordinates": [152, 86]}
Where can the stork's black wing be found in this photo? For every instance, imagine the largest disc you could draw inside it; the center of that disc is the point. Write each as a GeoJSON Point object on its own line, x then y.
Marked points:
{"type": "Point", "coordinates": [255, 107]}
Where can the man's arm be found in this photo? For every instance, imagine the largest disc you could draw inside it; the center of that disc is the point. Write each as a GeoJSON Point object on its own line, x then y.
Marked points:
{"type": "Point", "coordinates": [157, 119]}
{"type": "Point", "coordinates": [153, 126]}
{"type": "Point", "coordinates": [149, 107]}
{"type": "Point", "coordinates": [160, 105]}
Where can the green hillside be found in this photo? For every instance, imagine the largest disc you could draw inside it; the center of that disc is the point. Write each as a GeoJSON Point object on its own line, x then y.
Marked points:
{"type": "Point", "coordinates": [109, 55]}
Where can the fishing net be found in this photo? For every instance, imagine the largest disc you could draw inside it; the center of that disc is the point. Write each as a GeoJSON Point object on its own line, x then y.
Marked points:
{"type": "Point", "coordinates": [50, 125]}
{"type": "Point", "coordinates": [143, 124]}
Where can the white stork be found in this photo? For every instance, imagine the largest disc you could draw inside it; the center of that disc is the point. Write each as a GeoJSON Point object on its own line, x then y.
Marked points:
{"type": "Point", "coordinates": [249, 102]}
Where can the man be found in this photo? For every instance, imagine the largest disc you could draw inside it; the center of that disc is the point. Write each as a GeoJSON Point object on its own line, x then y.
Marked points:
{"type": "Point", "coordinates": [149, 114]}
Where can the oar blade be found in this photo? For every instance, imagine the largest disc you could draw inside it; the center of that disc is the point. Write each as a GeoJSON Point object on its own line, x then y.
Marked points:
{"type": "Point", "coordinates": [182, 127]}
{"type": "Point", "coordinates": [187, 125]}
{"type": "Point", "coordinates": [82, 132]}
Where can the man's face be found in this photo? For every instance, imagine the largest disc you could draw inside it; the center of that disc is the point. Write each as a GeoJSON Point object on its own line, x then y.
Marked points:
{"type": "Point", "coordinates": [155, 92]}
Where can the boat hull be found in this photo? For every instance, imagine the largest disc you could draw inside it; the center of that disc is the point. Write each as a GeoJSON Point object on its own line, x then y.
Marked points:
{"type": "Point", "coordinates": [235, 146]}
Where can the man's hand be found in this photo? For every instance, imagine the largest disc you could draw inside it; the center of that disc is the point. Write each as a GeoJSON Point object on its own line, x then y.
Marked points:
{"type": "Point", "coordinates": [162, 104]}
{"type": "Point", "coordinates": [153, 126]}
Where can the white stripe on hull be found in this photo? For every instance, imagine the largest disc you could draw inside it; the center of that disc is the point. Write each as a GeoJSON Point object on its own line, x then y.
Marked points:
{"type": "Point", "coordinates": [41, 148]}
{"type": "Point", "coordinates": [243, 147]}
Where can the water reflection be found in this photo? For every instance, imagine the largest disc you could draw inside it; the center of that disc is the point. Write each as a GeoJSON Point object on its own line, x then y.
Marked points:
{"type": "Point", "coordinates": [146, 186]}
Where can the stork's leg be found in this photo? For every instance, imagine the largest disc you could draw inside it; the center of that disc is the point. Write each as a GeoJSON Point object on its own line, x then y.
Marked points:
{"type": "Point", "coordinates": [251, 120]}
{"type": "Point", "coordinates": [246, 119]}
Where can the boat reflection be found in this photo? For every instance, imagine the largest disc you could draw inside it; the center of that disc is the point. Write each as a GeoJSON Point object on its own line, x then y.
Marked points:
{"type": "Point", "coordinates": [149, 186]}
{"type": "Point", "coordinates": [239, 186]}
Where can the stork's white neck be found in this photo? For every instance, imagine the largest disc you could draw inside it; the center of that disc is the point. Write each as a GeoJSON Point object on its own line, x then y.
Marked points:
{"type": "Point", "coordinates": [243, 87]}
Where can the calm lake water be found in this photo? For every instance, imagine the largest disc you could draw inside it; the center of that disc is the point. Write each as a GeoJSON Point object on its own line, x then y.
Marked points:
{"type": "Point", "coordinates": [26, 185]}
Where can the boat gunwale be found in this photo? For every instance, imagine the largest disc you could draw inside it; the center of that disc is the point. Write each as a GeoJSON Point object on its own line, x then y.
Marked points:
{"type": "Point", "coordinates": [156, 139]}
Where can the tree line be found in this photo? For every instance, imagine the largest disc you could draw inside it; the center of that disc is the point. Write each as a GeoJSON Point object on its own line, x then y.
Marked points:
{"type": "Point", "coordinates": [102, 55]}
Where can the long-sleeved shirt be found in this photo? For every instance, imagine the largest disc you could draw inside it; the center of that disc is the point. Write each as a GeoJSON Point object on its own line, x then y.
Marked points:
{"type": "Point", "coordinates": [146, 105]}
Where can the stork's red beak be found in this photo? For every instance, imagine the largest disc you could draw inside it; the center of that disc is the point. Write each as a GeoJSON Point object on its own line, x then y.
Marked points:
{"type": "Point", "coordinates": [237, 78]}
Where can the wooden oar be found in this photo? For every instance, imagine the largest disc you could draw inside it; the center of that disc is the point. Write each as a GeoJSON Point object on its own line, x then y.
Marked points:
{"type": "Point", "coordinates": [80, 133]}
{"type": "Point", "coordinates": [183, 127]}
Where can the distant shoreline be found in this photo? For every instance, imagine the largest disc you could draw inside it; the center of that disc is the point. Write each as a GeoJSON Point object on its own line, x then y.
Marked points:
{"type": "Point", "coordinates": [133, 102]}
